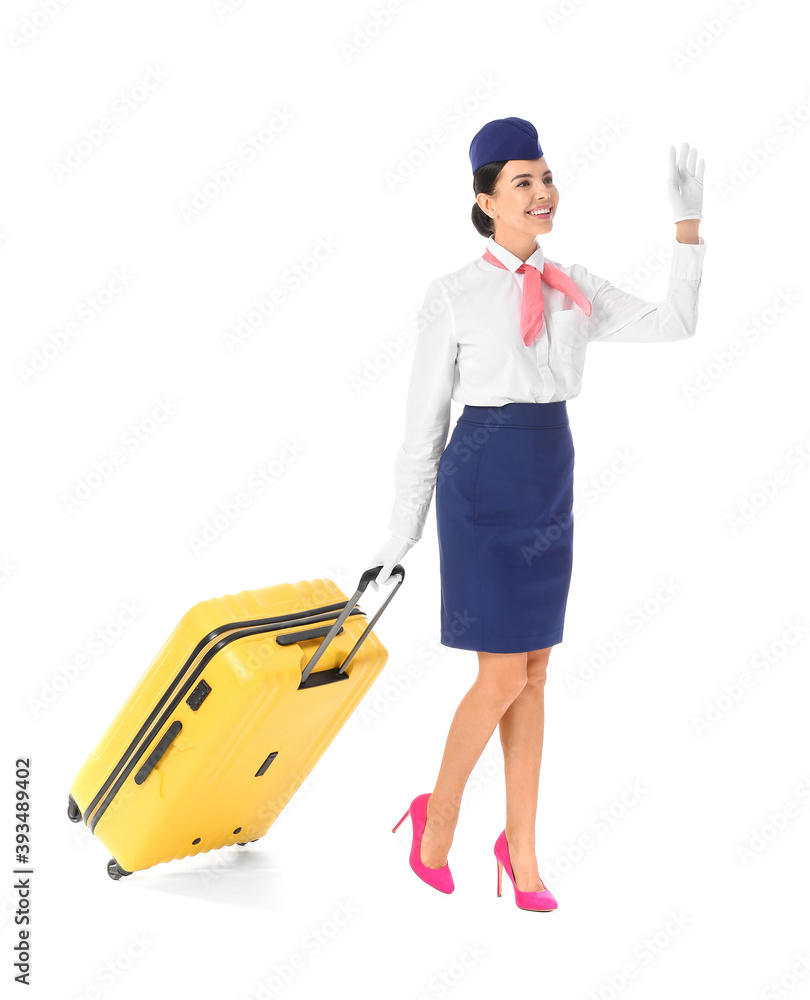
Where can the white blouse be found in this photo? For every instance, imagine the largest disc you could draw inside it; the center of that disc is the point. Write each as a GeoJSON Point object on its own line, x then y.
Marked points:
{"type": "Point", "coordinates": [469, 349]}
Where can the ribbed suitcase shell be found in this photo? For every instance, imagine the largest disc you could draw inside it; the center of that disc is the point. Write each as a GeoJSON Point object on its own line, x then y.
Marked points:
{"type": "Point", "coordinates": [217, 781]}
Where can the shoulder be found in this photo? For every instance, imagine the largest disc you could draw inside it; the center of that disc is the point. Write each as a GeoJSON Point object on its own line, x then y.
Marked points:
{"type": "Point", "coordinates": [583, 278]}
{"type": "Point", "coordinates": [446, 297]}
{"type": "Point", "coordinates": [453, 284]}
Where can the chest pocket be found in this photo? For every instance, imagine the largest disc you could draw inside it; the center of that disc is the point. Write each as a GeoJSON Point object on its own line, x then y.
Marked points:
{"type": "Point", "coordinates": [570, 337]}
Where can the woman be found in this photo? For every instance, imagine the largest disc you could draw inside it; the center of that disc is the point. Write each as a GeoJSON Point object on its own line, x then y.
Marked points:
{"type": "Point", "coordinates": [506, 335]}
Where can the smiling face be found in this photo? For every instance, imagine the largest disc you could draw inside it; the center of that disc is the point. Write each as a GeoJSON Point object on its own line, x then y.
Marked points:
{"type": "Point", "coordinates": [525, 199]}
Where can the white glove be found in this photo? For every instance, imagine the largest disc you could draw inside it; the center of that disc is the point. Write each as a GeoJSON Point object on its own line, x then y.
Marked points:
{"type": "Point", "coordinates": [390, 554]}
{"type": "Point", "coordinates": [685, 184]}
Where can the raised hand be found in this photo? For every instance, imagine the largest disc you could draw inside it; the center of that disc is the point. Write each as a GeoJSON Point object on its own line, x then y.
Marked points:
{"type": "Point", "coordinates": [685, 183]}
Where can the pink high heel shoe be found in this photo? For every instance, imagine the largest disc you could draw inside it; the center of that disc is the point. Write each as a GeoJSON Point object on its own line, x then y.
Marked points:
{"type": "Point", "coordinates": [541, 901]}
{"type": "Point", "coordinates": [439, 878]}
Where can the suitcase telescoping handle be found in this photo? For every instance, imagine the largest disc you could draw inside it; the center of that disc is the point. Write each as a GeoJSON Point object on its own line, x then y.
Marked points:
{"type": "Point", "coordinates": [365, 579]}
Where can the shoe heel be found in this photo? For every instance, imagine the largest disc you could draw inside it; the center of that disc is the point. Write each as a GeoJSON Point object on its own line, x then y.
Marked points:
{"type": "Point", "coordinates": [401, 821]}
{"type": "Point", "coordinates": [500, 872]}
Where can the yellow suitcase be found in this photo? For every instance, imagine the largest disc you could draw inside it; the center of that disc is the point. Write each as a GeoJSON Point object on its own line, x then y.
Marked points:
{"type": "Point", "coordinates": [228, 721]}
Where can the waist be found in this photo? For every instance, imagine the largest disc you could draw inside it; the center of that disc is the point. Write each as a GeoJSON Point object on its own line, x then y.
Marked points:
{"type": "Point", "coordinates": [517, 414]}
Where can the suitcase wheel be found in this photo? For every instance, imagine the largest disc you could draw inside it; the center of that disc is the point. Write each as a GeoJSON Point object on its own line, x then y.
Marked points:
{"type": "Point", "coordinates": [115, 871]}
{"type": "Point", "coordinates": [74, 813]}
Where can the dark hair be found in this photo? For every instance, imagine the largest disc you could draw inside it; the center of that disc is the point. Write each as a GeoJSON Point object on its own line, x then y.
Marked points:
{"type": "Point", "coordinates": [484, 180]}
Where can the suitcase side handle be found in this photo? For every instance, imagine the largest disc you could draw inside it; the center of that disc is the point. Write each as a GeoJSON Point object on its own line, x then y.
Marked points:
{"type": "Point", "coordinates": [365, 579]}
{"type": "Point", "coordinates": [288, 638]}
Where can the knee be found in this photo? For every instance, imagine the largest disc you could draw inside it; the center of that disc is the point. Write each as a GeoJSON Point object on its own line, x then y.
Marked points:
{"type": "Point", "coordinates": [507, 685]}
{"type": "Point", "coordinates": [503, 675]}
{"type": "Point", "coordinates": [536, 667]}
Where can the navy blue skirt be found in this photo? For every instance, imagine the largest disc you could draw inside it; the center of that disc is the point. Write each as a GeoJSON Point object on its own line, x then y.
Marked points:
{"type": "Point", "coordinates": [504, 514]}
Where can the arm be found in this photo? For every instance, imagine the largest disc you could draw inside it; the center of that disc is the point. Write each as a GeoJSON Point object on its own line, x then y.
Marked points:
{"type": "Point", "coordinates": [427, 414]}
{"type": "Point", "coordinates": [686, 231]}
{"type": "Point", "coordinates": [621, 316]}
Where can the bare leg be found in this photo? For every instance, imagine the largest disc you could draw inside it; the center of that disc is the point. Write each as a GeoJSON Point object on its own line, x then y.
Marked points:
{"type": "Point", "coordinates": [501, 678]}
{"type": "Point", "coordinates": [521, 731]}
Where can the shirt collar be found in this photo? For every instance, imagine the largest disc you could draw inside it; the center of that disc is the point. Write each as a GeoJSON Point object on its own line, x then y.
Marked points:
{"type": "Point", "coordinates": [510, 260]}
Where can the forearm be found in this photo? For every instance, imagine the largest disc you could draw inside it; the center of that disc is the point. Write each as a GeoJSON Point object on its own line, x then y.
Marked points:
{"type": "Point", "coordinates": [622, 316]}
{"type": "Point", "coordinates": [686, 231]}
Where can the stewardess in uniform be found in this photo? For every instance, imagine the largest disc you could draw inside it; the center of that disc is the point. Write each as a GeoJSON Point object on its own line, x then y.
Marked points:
{"type": "Point", "coordinates": [506, 335]}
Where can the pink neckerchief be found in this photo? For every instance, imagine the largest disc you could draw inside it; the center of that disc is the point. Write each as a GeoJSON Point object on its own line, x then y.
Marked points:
{"type": "Point", "coordinates": [531, 313]}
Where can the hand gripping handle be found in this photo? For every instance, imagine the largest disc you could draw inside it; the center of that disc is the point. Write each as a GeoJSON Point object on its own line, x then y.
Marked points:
{"type": "Point", "coordinates": [365, 579]}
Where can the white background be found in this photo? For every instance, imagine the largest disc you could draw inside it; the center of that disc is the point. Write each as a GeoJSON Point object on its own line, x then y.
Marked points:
{"type": "Point", "coordinates": [609, 86]}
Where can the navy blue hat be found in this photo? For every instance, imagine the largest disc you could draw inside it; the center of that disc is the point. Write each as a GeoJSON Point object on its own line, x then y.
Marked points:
{"type": "Point", "coordinates": [505, 139]}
